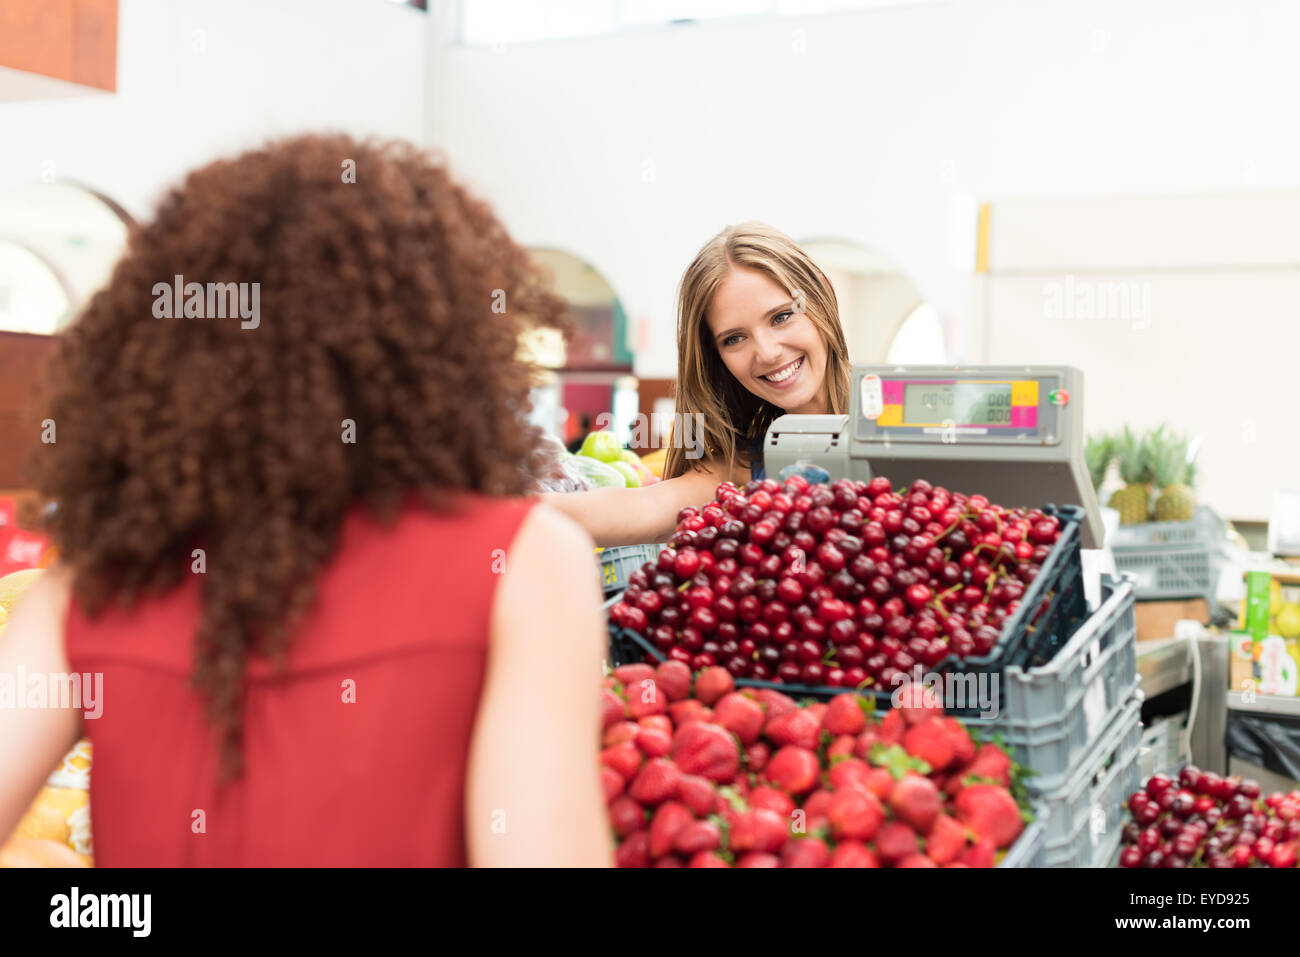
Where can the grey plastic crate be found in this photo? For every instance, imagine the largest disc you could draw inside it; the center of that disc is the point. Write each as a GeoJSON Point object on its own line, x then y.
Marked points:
{"type": "Point", "coordinates": [1162, 745]}
{"type": "Point", "coordinates": [621, 561]}
{"type": "Point", "coordinates": [1166, 572]}
{"type": "Point", "coordinates": [1206, 529]}
{"type": "Point", "coordinates": [1054, 711]}
{"type": "Point", "coordinates": [1084, 816]}
{"type": "Point", "coordinates": [1029, 849]}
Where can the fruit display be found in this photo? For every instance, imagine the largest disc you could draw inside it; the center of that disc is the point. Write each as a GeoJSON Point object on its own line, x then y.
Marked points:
{"type": "Point", "coordinates": [1159, 472]}
{"type": "Point", "coordinates": [606, 464]}
{"type": "Point", "coordinates": [699, 774]}
{"type": "Point", "coordinates": [1202, 819]}
{"type": "Point", "coordinates": [851, 584]}
{"type": "Point", "coordinates": [56, 827]}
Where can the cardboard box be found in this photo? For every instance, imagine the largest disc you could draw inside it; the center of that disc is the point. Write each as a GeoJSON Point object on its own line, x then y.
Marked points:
{"type": "Point", "coordinates": [1156, 619]}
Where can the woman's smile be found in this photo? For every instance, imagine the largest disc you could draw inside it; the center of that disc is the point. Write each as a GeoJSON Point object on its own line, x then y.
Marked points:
{"type": "Point", "coordinates": [785, 376]}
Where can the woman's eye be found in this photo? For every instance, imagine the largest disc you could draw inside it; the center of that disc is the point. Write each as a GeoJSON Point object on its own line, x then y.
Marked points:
{"type": "Point", "coordinates": [731, 340]}
{"type": "Point", "coordinates": [781, 317]}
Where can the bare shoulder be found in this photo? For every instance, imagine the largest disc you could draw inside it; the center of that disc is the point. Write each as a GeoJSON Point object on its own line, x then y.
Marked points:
{"type": "Point", "coordinates": [46, 598]}
{"type": "Point", "coordinates": [546, 529]}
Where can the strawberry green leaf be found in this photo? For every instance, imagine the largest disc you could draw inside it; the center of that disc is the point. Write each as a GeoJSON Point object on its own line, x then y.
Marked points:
{"type": "Point", "coordinates": [738, 803]}
{"type": "Point", "coordinates": [868, 705]}
{"type": "Point", "coordinates": [896, 761]}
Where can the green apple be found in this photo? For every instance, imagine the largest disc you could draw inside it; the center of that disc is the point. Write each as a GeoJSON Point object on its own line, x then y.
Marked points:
{"type": "Point", "coordinates": [601, 446]}
{"type": "Point", "coordinates": [629, 474]}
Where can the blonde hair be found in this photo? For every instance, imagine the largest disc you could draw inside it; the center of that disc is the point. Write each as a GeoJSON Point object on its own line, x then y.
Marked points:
{"type": "Point", "coordinates": [730, 413]}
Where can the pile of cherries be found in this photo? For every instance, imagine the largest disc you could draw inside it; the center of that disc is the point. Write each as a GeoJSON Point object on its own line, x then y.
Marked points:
{"type": "Point", "coordinates": [840, 585]}
{"type": "Point", "coordinates": [1205, 820]}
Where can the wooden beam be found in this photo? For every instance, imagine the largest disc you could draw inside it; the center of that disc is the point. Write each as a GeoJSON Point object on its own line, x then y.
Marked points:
{"type": "Point", "coordinates": [72, 40]}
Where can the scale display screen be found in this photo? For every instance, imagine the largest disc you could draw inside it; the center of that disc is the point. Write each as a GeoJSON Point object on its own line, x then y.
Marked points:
{"type": "Point", "coordinates": [961, 403]}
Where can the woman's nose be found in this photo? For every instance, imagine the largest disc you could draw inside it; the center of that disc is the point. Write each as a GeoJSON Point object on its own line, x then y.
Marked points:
{"type": "Point", "coordinates": [767, 349]}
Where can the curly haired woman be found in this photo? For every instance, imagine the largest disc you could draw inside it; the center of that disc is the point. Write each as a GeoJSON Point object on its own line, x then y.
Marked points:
{"type": "Point", "coordinates": [299, 549]}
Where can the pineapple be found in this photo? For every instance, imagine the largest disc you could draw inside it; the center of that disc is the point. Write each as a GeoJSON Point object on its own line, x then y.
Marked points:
{"type": "Point", "coordinates": [1175, 475]}
{"type": "Point", "coordinates": [1097, 454]}
{"type": "Point", "coordinates": [1134, 500]}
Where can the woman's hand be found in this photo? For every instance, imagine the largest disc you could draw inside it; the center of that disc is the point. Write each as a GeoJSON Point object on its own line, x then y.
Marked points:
{"type": "Point", "coordinates": [638, 516]}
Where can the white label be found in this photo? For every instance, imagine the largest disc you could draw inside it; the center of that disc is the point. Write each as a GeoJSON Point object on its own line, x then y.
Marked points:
{"type": "Point", "coordinates": [872, 397]}
{"type": "Point", "coordinates": [1094, 706]}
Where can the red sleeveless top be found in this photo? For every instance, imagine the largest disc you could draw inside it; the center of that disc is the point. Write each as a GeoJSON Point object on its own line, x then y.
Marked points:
{"type": "Point", "coordinates": [401, 617]}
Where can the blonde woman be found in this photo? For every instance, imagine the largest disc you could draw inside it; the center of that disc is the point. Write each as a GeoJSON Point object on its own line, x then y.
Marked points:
{"type": "Point", "coordinates": [758, 336]}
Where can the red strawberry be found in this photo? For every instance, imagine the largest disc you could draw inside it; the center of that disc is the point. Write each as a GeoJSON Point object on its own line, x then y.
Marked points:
{"type": "Point", "coordinates": [613, 708]}
{"type": "Point", "coordinates": [707, 750]}
{"type": "Point", "coordinates": [991, 812]}
{"type": "Point", "coordinates": [979, 854]}
{"type": "Point", "coordinates": [817, 803]}
{"type": "Point", "coordinates": [757, 755]}
{"type": "Point", "coordinates": [895, 841]}
{"type": "Point", "coordinates": [842, 747]}
{"type": "Point", "coordinates": [917, 701]}
{"type": "Point", "coordinates": [892, 727]}
{"type": "Point", "coordinates": [654, 742]}
{"type": "Point", "coordinates": [916, 860]}
{"type": "Point", "coordinates": [916, 800]}
{"type": "Point", "coordinates": [660, 721]}
{"type": "Point", "coordinates": [849, 771]}
{"type": "Point", "coordinates": [674, 678]}
{"type": "Point", "coordinates": [741, 786]}
{"type": "Point", "coordinates": [855, 813]}
{"type": "Point", "coordinates": [880, 783]}
{"type": "Point", "coordinates": [956, 864]}
{"type": "Point", "coordinates": [634, 852]}
{"type": "Point", "coordinates": [619, 732]}
{"type": "Point", "coordinates": [707, 859]}
{"type": "Point", "coordinates": [755, 859]}
{"type": "Point", "coordinates": [698, 836]}
{"type": "Point", "coordinates": [772, 799]}
{"type": "Point", "coordinates": [666, 824]}
{"type": "Point", "coordinates": [818, 710]}
{"type": "Point", "coordinates": [844, 715]}
{"type": "Point", "coordinates": [853, 854]}
{"type": "Point", "coordinates": [946, 840]}
{"type": "Point", "coordinates": [963, 748]}
{"type": "Point", "coordinates": [929, 741]}
{"type": "Point", "coordinates": [862, 747]}
{"type": "Point", "coordinates": [760, 830]}
{"type": "Point", "coordinates": [805, 852]}
{"type": "Point", "coordinates": [612, 782]}
{"type": "Point", "coordinates": [633, 674]}
{"type": "Point", "coordinates": [610, 683]}
{"type": "Point", "coordinates": [712, 683]}
{"type": "Point", "coordinates": [697, 793]}
{"type": "Point", "coordinates": [990, 762]}
{"type": "Point", "coordinates": [741, 715]}
{"type": "Point", "coordinates": [775, 703]}
{"type": "Point", "coordinates": [624, 758]}
{"type": "Point", "coordinates": [793, 769]}
{"type": "Point", "coordinates": [799, 728]}
{"type": "Point", "coordinates": [645, 697]}
{"type": "Point", "coordinates": [626, 816]}
{"type": "Point", "coordinates": [656, 782]}
{"type": "Point", "coordinates": [683, 712]}
{"type": "Point", "coordinates": [669, 860]}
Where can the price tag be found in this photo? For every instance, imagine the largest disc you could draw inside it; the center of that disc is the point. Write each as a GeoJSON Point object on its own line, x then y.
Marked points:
{"type": "Point", "coordinates": [1094, 706]}
{"type": "Point", "coordinates": [872, 397]}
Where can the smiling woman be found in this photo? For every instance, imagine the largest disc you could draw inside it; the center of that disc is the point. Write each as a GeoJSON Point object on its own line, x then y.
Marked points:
{"type": "Point", "coordinates": [758, 336]}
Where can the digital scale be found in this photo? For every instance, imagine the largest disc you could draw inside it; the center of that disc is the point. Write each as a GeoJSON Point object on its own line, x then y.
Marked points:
{"type": "Point", "coordinates": [1013, 433]}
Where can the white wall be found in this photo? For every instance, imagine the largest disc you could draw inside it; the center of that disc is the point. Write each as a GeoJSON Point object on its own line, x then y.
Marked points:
{"type": "Point", "coordinates": [884, 127]}
{"type": "Point", "coordinates": [201, 78]}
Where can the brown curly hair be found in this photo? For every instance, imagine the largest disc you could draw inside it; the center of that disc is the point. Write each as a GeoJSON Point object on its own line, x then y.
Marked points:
{"type": "Point", "coordinates": [380, 302]}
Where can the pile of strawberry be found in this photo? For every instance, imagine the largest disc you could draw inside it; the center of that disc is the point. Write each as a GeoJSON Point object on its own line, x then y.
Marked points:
{"type": "Point", "coordinates": [698, 774]}
{"type": "Point", "coordinates": [1206, 820]}
{"type": "Point", "coordinates": [848, 585]}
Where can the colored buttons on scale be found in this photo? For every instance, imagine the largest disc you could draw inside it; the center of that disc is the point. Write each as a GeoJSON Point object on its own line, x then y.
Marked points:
{"type": "Point", "coordinates": [1058, 397]}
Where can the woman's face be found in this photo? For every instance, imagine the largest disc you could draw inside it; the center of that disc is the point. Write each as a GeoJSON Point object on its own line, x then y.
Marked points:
{"type": "Point", "coordinates": [769, 345]}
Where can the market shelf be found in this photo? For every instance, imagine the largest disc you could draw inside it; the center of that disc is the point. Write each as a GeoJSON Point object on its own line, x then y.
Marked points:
{"type": "Point", "coordinates": [1264, 703]}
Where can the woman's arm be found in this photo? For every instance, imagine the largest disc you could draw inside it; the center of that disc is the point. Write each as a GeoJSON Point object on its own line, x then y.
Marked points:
{"type": "Point", "coordinates": [32, 740]}
{"type": "Point", "coordinates": [641, 516]}
{"type": "Point", "coordinates": [533, 797]}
